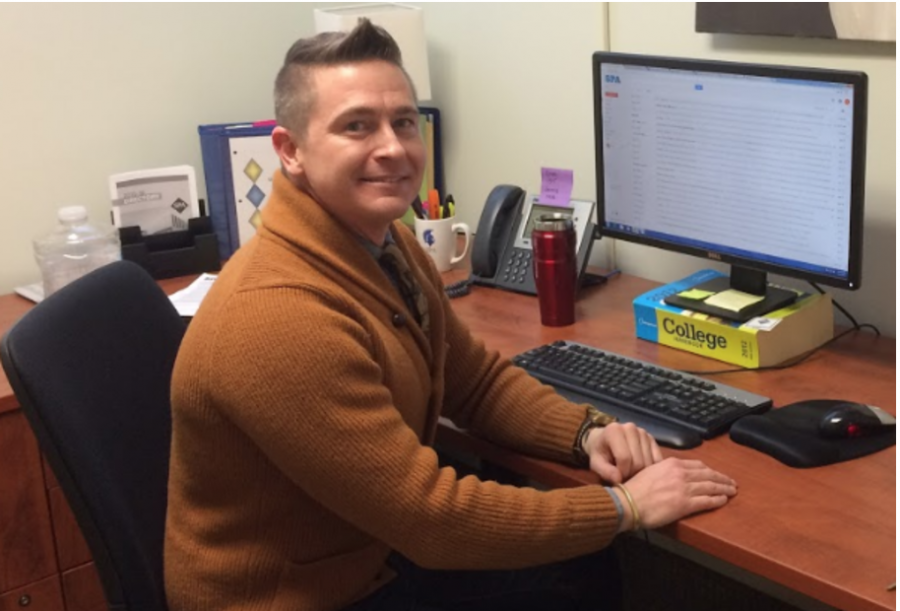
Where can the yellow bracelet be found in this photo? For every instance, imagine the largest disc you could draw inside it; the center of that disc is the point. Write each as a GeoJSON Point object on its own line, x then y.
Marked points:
{"type": "Point", "coordinates": [635, 516]}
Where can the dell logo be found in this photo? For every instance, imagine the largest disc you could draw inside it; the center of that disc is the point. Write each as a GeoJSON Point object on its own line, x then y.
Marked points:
{"type": "Point", "coordinates": [612, 78]}
{"type": "Point", "coordinates": [713, 255]}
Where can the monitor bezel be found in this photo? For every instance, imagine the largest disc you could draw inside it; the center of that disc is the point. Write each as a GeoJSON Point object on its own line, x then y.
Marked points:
{"type": "Point", "coordinates": [859, 80]}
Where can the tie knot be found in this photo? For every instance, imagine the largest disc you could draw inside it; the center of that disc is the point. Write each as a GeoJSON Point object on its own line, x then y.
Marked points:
{"type": "Point", "coordinates": [409, 287]}
{"type": "Point", "coordinates": [392, 252]}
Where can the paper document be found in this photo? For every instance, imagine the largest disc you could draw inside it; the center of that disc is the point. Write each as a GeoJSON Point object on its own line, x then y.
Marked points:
{"type": "Point", "coordinates": [34, 292]}
{"type": "Point", "coordinates": [254, 164]}
{"type": "Point", "coordinates": [188, 300]}
{"type": "Point", "coordinates": [733, 300]}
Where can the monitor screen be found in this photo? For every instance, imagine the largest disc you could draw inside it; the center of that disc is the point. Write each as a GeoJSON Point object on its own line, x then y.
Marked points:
{"type": "Point", "coordinates": [758, 166]}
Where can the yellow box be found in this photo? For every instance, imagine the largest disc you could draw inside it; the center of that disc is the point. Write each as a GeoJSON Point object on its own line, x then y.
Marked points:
{"type": "Point", "coordinates": [780, 335]}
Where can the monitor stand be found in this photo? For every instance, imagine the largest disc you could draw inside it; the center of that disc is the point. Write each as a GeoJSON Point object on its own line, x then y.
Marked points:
{"type": "Point", "coordinates": [746, 281]}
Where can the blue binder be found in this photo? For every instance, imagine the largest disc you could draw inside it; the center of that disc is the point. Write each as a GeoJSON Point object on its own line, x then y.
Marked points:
{"type": "Point", "coordinates": [216, 150]}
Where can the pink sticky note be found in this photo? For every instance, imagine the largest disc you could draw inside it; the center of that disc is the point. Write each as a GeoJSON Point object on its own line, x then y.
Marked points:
{"type": "Point", "coordinates": [556, 186]}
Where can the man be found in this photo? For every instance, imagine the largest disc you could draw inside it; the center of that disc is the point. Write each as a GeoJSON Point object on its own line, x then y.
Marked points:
{"type": "Point", "coordinates": [307, 391]}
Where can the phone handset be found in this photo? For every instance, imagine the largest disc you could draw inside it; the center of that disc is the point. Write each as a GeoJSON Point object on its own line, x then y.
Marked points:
{"type": "Point", "coordinates": [498, 219]}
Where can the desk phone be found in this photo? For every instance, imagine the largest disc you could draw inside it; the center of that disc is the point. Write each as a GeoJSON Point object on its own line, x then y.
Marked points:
{"type": "Point", "coordinates": [502, 253]}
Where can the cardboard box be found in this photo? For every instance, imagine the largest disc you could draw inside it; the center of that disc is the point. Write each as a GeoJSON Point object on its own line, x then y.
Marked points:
{"type": "Point", "coordinates": [780, 335]}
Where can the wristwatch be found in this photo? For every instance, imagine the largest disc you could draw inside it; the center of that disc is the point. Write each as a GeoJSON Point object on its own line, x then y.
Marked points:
{"type": "Point", "coordinates": [593, 419]}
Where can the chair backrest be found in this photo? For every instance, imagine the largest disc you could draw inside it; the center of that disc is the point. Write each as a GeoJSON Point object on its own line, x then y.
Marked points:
{"type": "Point", "coordinates": [91, 368]}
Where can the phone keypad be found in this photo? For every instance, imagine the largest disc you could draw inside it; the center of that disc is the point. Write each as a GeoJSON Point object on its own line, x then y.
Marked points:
{"type": "Point", "coordinates": [518, 268]}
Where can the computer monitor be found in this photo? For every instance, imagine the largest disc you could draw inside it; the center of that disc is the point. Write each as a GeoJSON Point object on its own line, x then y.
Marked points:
{"type": "Point", "coordinates": [761, 167]}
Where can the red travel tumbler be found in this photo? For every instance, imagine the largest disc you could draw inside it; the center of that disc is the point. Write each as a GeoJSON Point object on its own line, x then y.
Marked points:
{"type": "Point", "coordinates": [555, 273]}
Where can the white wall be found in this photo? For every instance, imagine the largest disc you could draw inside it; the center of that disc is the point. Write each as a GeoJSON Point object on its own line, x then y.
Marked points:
{"type": "Point", "coordinates": [661, 28]}
{"type": "Point", "coordinates": [90, 90]}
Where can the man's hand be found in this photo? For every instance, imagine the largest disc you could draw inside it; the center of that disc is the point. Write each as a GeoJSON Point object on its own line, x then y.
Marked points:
{"type": "Point", "coordinates": [618, 451]}
{"type": "Point", "coordinates": [675, 488]}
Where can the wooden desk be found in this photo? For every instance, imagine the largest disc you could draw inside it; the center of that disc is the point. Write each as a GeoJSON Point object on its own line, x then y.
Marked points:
{"type": "Point", "coordinates": [829, 532]}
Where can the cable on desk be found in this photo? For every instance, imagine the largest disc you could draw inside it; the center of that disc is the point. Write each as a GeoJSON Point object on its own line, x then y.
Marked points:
{"type": "Point", "coordinates": [799, 359]}
{"type": "Point", "coordinates": [589, 279]}
{"type": "Point", "coordinates": [460, 288]}
{"type": "Point", "coordinates": [852, 320]}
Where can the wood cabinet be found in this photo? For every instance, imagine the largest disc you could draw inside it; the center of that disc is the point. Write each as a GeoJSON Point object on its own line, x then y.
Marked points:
{"type": "Point", "coordinates": [82, 590]}
{"type": "Point", "coordinates": [27, 550]}
{"type": "Point", "coordinates": [45, 564]}
{"type": "Point", "coordinates": [71, 548]}
{"type": "Point", "coordinates": [45, 595]}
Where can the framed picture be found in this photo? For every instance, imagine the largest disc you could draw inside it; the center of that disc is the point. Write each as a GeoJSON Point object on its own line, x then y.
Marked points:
{"type": "Point", "coordinates": [842, 20]}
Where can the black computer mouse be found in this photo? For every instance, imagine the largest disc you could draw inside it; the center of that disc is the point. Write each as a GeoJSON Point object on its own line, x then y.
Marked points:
{"type": "Point", "coordinates": [849, 420]}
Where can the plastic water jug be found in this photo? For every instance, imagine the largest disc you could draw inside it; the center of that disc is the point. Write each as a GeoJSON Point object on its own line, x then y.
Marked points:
{"type": "Point", "coordinates": [74, 248]}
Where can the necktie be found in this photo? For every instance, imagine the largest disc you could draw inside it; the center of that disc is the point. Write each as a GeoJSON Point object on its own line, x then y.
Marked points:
{"type": "Point", "coordinates": [406, 282]}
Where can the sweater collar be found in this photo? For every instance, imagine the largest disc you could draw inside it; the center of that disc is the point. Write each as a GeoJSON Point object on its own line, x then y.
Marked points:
{"type": "Point", "coordinates": [301, 224]}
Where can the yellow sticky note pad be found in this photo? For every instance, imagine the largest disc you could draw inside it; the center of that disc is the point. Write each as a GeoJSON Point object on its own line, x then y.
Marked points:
{"type": "Point", "coordinates": [695, 294]}
{"type": "Point", "coordinates": [733, 300]}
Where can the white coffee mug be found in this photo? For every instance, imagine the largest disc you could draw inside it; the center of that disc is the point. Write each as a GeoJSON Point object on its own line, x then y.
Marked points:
{"type": "Point", "coordinates": [438, 238]}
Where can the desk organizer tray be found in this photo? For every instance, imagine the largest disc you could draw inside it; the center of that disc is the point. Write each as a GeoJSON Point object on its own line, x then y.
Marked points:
{"type": "Point", "coordinates": [177, 253]}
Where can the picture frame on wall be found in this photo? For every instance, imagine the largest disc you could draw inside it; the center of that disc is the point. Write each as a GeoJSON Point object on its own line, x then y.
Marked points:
{"type": "Point", "coordinates": [870, 21]}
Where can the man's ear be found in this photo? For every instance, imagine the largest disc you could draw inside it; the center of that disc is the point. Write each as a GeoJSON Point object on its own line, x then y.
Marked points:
{"type": "Point", "coordinates": [287, 150]}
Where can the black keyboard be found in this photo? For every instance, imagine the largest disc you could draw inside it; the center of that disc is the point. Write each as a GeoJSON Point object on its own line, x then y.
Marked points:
{"type": "Point", "coordinates": [641, 392]}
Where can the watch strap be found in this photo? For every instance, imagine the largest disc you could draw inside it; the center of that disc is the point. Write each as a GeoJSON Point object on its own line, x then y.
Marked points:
{"type": "Point", "coordinates": [593, 419]}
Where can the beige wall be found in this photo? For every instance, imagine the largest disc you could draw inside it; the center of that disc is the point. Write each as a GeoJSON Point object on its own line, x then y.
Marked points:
{"type": "Point", "coordinates": [92, 90]}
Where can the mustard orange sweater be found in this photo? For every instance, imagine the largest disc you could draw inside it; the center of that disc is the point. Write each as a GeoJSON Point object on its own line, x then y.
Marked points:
{"type": "Point", "coordinates": [302, 419]}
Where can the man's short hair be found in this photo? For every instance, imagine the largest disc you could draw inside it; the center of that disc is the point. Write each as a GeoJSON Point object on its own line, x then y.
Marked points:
{"type": "Point", "coordinates": [294, 93]}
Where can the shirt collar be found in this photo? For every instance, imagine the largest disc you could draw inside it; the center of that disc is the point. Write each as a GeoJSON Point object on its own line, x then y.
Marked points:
{"type": "Point", "coordinates": [373, 249]}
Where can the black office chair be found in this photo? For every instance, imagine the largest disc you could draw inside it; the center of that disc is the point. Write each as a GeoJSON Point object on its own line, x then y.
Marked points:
{"type": "Point", "coordinates": [91, 368]}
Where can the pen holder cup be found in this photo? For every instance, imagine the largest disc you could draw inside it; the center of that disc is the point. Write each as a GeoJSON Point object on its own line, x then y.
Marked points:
{"type": "Point", "coordinates": [438, 239]}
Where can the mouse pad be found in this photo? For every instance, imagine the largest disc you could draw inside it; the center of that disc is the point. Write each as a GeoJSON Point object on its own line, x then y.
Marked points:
{"type": "Point", "coordinates": [791, 434]}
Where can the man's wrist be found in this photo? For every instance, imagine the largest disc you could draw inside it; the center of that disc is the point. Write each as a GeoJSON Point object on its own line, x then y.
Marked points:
{"type": "Point", "coordinates": [620, 511]}
{"type": "Point", "coordinates": [586, 444]}
{"type": "Point", "coordinates": [594, 419]}
{"type": "Point", "coordinates": [626, 523]}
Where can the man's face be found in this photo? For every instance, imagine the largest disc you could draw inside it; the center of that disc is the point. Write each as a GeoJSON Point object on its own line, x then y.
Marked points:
{"type": "Point", "coordinates": [362, 157]}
